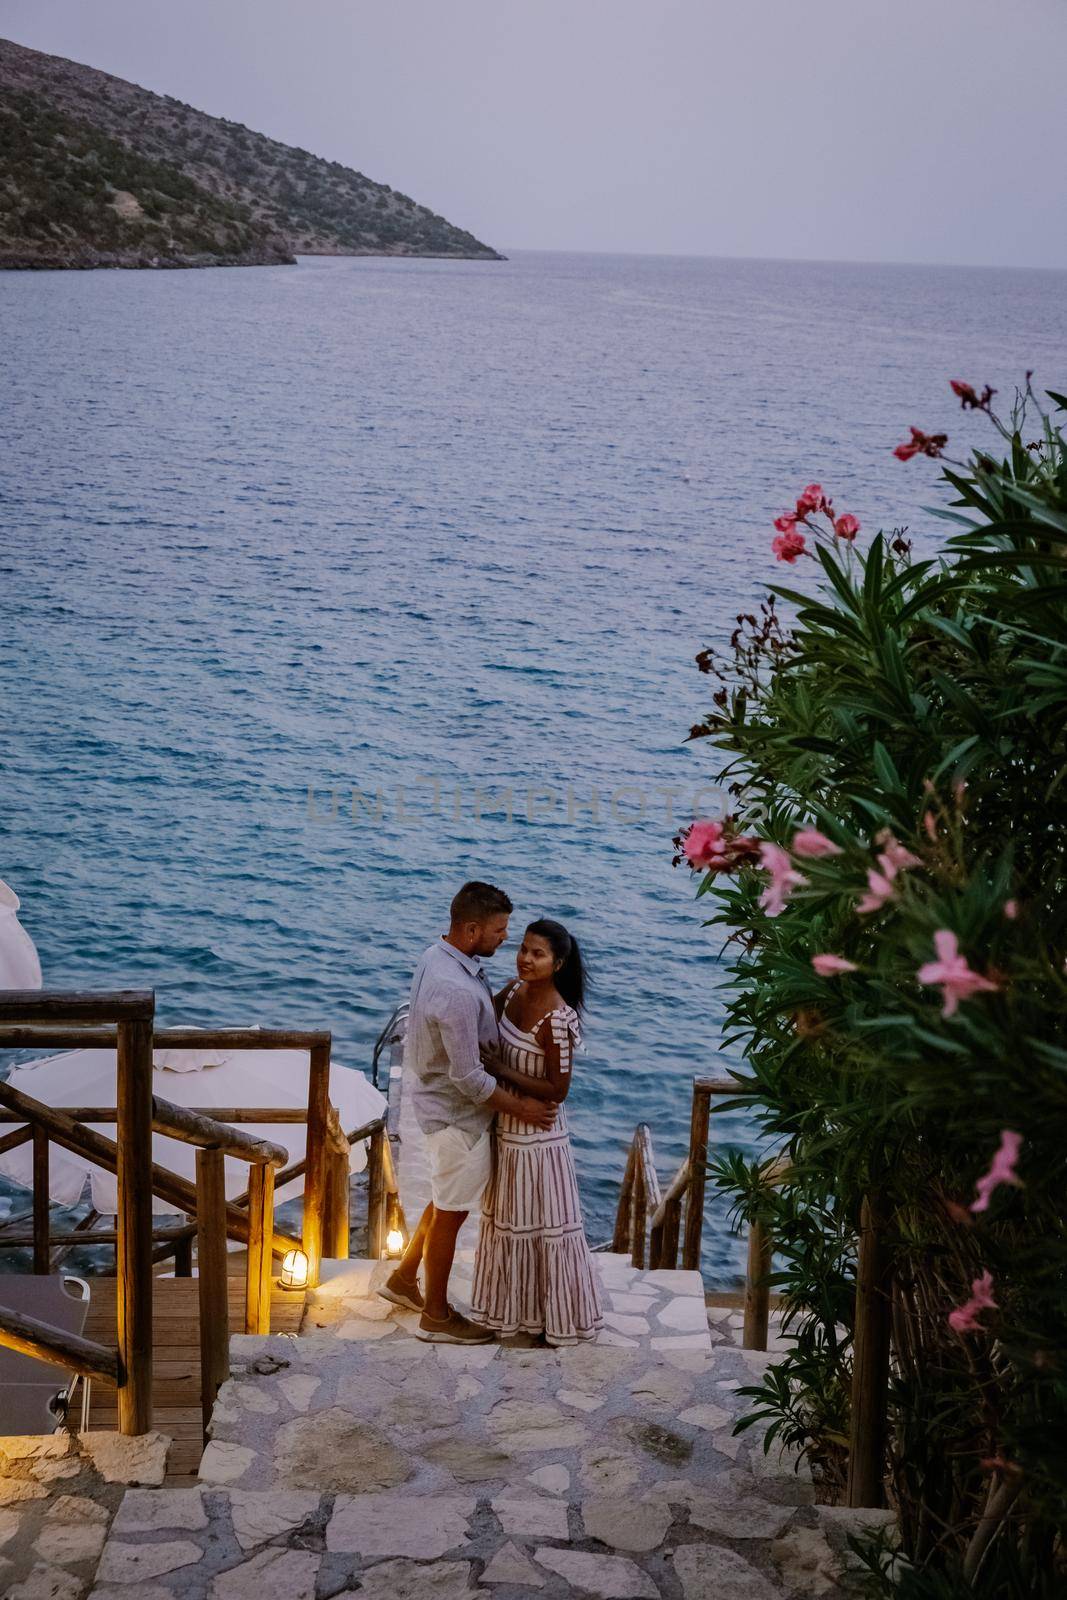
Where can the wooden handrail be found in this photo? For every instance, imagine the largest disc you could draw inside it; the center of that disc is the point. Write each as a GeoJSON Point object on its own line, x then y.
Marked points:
{"type": "Point", "coordinates": [11, 1141]}
{"type": "Point", "coordinates": [32, 1337]}
{"type": "Point", "coordinates": [162, 1038]}
{"type": "Point", "coordinates": [666, 1220]}
{"type": "Point", "coordinates": [675, 1191]}
{"type": "Point", "coordinates": [19, 1007]}
{"type": "Point", "coordinates": [191, 1127]}
{"type": "Point", "coordinates": [639, 1195]}
{"type": "Point", "coordinates": [639, 1192]}
{"type": "Point", "coordinates": [336, 1138]}
{"type": "Point", "coordinates": [263, 1114]}
{"type": "Point", "coordinates": [104, 1152]}
{"type": "Point", "coordinates": [281, 1243]}
{"type": "Point", "coordinates": [84, 1235]}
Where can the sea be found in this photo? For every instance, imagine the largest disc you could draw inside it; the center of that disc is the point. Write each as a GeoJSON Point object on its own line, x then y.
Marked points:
{"type": "Point", "coordinates": [327, 587]}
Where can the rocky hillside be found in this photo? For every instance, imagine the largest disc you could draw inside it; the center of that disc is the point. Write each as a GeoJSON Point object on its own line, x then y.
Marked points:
{"type": "Point", "coordinates": [95, 171]}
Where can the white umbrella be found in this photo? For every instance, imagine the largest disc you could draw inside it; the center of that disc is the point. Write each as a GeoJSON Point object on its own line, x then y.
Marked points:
{"type": "Point", "coordinates": [19, 965]}
{"type": "Point", "coordinates": [188, 1078]}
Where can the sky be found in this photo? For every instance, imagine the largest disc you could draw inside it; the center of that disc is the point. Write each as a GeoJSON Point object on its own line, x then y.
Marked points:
{"type": "Point", "coordinates": [916, 130]}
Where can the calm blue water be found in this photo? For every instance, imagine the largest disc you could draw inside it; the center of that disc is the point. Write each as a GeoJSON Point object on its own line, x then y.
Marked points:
{"type": "Point", "coordinates": [436, 530]}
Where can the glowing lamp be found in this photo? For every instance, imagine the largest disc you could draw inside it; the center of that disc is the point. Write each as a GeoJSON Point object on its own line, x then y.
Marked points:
{"type": "Point", "coordinates": [294, 1270]}
{"type": "Point", "coordinates": [394, 1242]}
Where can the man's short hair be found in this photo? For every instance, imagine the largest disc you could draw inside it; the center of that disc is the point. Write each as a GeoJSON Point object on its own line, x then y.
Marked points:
{"type": "Point", "coordinates": [477, 902]}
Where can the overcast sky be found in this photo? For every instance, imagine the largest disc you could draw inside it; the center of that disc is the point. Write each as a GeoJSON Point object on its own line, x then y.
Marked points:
{"type": "Point", "coordinates": [886, 130]}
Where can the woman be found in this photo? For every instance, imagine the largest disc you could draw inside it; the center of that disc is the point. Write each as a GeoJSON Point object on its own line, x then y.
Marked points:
{"type": "Point", "coordinates": [533, 1272]}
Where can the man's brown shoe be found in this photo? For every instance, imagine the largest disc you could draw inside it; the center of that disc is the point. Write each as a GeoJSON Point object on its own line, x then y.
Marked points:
{"type": "Point", "coordinates": [401, 1292]}
{"type": "Point", "coordinates": [453, 1329]}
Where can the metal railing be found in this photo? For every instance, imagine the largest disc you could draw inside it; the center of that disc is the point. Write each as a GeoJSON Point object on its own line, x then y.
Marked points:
{"type": "Point", "coordinates": [392, 1033]}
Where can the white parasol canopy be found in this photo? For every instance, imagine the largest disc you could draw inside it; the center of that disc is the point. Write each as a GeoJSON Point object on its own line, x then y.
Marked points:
{"type": "Point", "coordinates": [19, 964]}
{"type": "Point", "coordinates": [188, 1078]}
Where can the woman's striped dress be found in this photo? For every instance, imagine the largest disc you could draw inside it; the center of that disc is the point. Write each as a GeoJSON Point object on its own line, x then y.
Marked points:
{"type": "Point", "coordinates": [533, 1271]}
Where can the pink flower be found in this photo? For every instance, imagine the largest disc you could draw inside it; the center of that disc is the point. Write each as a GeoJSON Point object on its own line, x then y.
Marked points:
{"type": "Point", "coordinates": [895, 858]}
{"type": "Point", "coordinates": [704, 845]}
{"type": "Point", "coordinates": [965, 1318]}
{"type": "Point", "coordinates": [1001, 1169]}
{"type": "Point", "coordinates": [787, 546]}
{"type": "Point", "coordinates": [787, 523]}
{"type": "Point", "coordinates": [951, 971]}
{"type": "Point", "coordinates": [811, 500]}
{"type": "Point", "coordinates": [1011, 909]}
{"type": "Point", "coordinates": [828, 966]}
{"type": "Point", "coordinates": [784, 878]}
{"type": "Point", "coordinates": [879, 890]}
{"type": "Point", "coordinates": [930, 824]}
{"type": "Point", "coordinates": [813, 844]}
{"type": "Point", "coordinates": [847, 527]}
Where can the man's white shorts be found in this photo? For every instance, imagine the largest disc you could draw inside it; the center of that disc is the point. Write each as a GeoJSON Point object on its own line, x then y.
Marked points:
{"type": "Point", "coordinates": [461, 1164]}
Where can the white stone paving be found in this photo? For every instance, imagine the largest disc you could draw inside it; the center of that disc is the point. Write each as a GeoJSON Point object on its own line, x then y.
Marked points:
{"type": "Point", "coordinates": [393, 1470]}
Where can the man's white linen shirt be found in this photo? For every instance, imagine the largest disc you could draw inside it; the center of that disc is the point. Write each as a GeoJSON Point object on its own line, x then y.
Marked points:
{"type": "Point", "coordinates": [451, 1015]}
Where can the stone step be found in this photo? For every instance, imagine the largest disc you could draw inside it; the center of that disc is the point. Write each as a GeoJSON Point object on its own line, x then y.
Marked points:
{"type": "Point", "coordinates": [662, 1313]}
{"type": "Point", "coordinates": [293, 1544]}
{"type": "Point", "coordinates": [354, 1457]}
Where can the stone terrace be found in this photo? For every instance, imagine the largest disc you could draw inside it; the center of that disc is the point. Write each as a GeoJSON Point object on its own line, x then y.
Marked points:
{"type": "Point", "coordinates": [355, 1460]}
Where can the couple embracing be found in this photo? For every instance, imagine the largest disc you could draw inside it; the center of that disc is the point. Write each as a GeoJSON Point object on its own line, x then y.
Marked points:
{"type": "Point", "coordinates": [489, 1075]}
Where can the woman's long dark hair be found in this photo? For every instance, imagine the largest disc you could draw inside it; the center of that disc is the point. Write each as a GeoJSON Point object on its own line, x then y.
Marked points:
{"type": "Point", "coordinates": [572, 979]}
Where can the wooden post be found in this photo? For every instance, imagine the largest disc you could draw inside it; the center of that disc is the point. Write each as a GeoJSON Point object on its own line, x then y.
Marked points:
{"type": "Point", "coordinates": [668, 1240]}
{"type": "Point", "coordinates": [638, 1217]}
{"type": "Point", "coordinates": [620, 1243]}
{"type": "Point", "coordinates": [133, 1251]}
{"type": "Point", "coordinates": [336, 1238]}
{"type": "Point", "coordinates": [870, 1362]}
{"type": "Point", "coordinates": [698, 1155]}
{"type": "Point", "coordinates": [183, 1253]}
{"type": "Point", "coordinates": [212, 1276]}
{"type": "Point", "coordinates": [260, 1234]}
{"type": "Point", "coordinates": [315, 1171]}
{"type": "Point", "coordinates": [376, 1194]}
{"type": "Point", "coordinates": [41, 1257]}
{"type": "Point", "coordinates": [757, 1288]}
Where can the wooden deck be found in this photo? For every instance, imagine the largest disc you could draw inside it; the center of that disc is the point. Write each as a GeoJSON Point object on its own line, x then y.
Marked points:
{"type": "Point", "coordinates": [176, 1345]}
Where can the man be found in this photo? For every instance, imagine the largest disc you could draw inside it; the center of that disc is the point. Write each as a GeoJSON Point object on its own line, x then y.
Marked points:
{"type": "Point", "coordinates": [454, 1100]}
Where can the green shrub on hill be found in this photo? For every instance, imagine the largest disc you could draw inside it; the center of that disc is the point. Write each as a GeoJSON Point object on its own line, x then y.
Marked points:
{"type": "Point", "coordinates": [58, 183]}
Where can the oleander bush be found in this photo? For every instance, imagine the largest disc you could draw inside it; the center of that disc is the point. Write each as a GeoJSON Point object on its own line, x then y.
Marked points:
{"type": "Point", "coordinates": [894, 891]}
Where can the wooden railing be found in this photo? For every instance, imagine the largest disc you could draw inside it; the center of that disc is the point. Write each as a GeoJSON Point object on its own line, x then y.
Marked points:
{"type": "Point", "coordinates": [130, 1158]}
{"type": "Point", "coordinates": [640, 1201]}
{"type": "Point", "coordinates": [124, 1021]}
{"type": "Point", "coordinates": [321, 1141]}
{"type": "Point", "coordinates": [638, 1198]}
